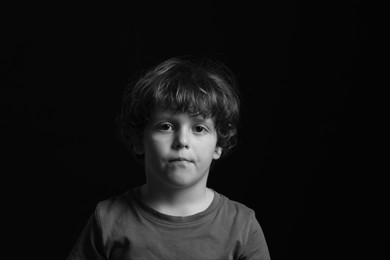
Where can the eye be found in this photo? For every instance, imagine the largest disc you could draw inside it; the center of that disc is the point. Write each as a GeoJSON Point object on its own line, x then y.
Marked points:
{"type": "Point", "coordinates": [165, 127]}
{"type": "Point", "coordinates": [200, 129]}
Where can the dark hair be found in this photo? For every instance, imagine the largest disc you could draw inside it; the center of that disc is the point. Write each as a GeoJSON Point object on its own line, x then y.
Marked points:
{"type": "Point", "coordinates": [199, 86]}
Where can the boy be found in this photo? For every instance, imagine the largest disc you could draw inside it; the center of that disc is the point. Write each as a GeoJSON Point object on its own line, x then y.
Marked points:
{"type": "Point", "coordinates": [177, 119]}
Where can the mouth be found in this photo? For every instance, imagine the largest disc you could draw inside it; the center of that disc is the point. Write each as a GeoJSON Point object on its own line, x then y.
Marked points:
{"type": "Point", "coordinates": [180, 160]}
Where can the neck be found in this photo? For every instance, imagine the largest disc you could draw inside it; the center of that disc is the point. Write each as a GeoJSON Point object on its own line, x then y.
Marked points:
{"type": "Point", "coordinates": [177, 202]}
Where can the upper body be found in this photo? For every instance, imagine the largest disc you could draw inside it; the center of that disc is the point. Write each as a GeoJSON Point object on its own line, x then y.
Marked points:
{"type": "Point", "coordinates": [179, 118]}
{"type": "Point", "coordinates": [124, 227]}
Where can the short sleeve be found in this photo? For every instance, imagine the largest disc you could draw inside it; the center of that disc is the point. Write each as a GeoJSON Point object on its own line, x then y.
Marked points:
{"type": "Point", "coordinates": [256, 247]}
{"type": "Point", "coordinates": [90, 243]}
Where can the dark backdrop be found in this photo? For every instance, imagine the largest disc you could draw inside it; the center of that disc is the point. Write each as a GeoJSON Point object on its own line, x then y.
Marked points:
{"type": "Point", "coordinates": [303, 71]}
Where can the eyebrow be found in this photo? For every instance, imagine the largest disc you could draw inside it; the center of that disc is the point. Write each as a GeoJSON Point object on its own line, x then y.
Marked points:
{"type": "Point", "coordinates": [200, 118]}
{"type": "Point", "coordinates": [160, 115]}
{"type": "Point", "coordinates": [169, 115]}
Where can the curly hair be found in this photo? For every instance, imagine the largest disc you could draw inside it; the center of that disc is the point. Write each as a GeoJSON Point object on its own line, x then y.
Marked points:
{"type": "Point", "coordinates": [199, 86]}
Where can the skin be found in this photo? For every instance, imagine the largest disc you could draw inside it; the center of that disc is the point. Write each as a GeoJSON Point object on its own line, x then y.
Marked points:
{"type": "Point", "coordinates": [178, 149]}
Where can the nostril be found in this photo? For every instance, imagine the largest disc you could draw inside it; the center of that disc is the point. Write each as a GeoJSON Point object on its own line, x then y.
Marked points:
{"type": "Point", "coordinates": [180, 145]}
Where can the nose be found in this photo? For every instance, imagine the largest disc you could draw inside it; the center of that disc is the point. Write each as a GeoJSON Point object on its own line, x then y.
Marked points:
{"type": "Point", "coordinates": [181, 139]}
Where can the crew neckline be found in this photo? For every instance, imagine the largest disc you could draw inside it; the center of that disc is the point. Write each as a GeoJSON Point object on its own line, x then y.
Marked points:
{"type": "Point", "coordinates": [162, 218]}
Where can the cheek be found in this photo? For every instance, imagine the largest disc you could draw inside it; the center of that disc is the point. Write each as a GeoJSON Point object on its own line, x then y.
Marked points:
{"type": "Point", "coordinates": [156, 146]}
{"type": "Point", "coordinates": [206, 149]}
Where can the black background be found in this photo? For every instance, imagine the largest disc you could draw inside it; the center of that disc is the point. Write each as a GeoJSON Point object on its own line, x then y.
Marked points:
{"type": "Point", "coordinates": [303, 159]}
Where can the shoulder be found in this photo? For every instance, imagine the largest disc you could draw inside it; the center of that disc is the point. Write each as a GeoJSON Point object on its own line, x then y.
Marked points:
{"type": "Point", "coordinates": [236, 211]}
{"type": "Point", "coordinates": [235, 207]}
{"type": "Point", "coordinates": [114, 208]}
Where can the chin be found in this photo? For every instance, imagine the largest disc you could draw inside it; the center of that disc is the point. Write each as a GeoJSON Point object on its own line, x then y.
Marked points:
{"type": "Point", "coordinates": [182, 181]}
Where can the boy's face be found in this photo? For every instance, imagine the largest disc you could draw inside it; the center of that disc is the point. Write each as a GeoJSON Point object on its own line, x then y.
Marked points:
{"type": "Point", "coordinates": [179, 148]}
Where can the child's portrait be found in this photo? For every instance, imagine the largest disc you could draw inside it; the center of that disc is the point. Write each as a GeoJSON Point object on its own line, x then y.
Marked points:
{"type": "Point", "coordinates": [188, 131]}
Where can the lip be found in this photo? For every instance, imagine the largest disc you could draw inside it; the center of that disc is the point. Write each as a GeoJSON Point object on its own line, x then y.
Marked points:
{"type": "Point", "coordinates": [180, 159]}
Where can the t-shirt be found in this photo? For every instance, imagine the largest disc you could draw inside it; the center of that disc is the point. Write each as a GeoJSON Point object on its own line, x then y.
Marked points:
{"type": "Point", "coordinates": [124, 227]}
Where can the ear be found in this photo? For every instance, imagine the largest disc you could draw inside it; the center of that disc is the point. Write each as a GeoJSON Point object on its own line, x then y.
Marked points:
{"type": "Point", "coordinates": [217, 153]}
{"type": "Point", "coordinates": [138, 148]}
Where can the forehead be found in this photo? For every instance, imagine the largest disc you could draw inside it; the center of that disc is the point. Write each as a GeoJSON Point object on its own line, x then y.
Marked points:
{"type": "Point", "coordinates": [172, 114]}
